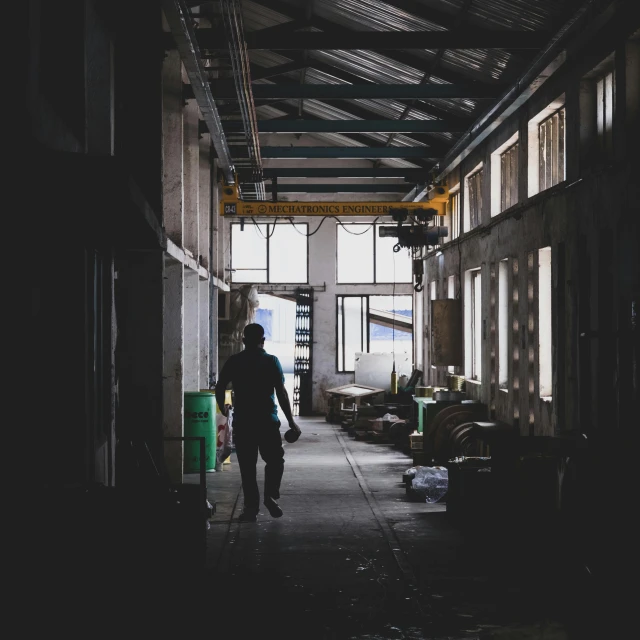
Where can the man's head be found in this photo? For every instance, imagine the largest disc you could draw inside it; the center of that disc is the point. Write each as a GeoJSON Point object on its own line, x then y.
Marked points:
{"type": "Point", "coordinates": [253, 335]}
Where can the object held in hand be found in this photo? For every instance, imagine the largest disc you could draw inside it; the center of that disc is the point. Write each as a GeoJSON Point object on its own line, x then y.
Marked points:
{"type": "Point", "coordinates": [291, 435]}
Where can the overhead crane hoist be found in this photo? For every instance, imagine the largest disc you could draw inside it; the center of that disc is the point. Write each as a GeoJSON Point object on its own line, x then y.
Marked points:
{"type": "Point", "coordinates": [416, 235]}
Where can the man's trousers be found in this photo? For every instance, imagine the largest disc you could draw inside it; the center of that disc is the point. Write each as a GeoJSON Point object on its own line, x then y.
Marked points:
{"type": "Point", "coordinates": [266, 439]}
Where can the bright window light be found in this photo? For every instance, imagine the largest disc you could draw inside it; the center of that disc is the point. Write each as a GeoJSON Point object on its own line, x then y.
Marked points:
{"type": "Point", "coordinates": [544, 323]}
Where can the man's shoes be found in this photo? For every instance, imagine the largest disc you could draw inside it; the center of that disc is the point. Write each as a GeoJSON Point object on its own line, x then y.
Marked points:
{"type": "Point", "coordinates": [248, 516]}
{"type": "Point", "coordinates": [273, 507]}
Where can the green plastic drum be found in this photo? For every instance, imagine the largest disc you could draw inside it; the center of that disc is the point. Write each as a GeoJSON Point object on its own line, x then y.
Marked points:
{"type": "Point", "coordinates": [200, 420]}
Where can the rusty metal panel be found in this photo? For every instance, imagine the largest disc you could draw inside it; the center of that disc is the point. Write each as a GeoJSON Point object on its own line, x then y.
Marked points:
{"type": "Point", "coordinates": [446, 332]}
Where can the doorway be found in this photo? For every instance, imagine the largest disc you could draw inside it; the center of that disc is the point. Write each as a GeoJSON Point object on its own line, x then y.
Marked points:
{"type": "Point", "coordinates": [277, 315]}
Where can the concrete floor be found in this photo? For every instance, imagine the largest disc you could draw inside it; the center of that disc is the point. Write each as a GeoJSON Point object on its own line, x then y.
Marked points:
{"type": "Point", "coordinates": [354, 557]}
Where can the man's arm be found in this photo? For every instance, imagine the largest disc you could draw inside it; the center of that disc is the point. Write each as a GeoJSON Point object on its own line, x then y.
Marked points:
{"type": "Point", "coordinates": [283, 398]}
{"type": "Point", "coordinates": [283, 401]}
{"type": "Point", "coordinates": [221, 387]}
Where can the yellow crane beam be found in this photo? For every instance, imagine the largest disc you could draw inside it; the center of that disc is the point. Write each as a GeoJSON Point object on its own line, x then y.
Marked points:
{"type": "Point", "coordinates": [231, 206]}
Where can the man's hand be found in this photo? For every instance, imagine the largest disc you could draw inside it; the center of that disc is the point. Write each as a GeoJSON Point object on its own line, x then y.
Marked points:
{"type": "Point", "coordinates": [295, 427]}
{"type": "Point", "coordinates": [293, 432]}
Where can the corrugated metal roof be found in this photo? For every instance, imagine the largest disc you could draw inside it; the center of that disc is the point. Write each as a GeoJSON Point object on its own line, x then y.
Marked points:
{"type": "Point", "coordinates": [371, 15]}
{"type": "Point", "coordinates": [258, 16]}
{"type": "Point", "coordinates": [516, 14]}
{"type": "Point", "coordinates": [417, 66]}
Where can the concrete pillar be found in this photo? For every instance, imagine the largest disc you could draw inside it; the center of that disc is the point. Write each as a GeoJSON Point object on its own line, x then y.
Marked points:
{"type": "Point", "coordinates": [485, 214]}
{"type": "Point", "coordinates": [204, 200]}
{"type": "Point", "coordinates": [191, 331]}
{"type": "Point", "coordinates": [216, 222]}
{"type": "Point", "coordinates": [572, 130]}
{"type": "Point", "coordinates": [523, 155]}
{"type": "Point", "coordinates": [203, 345]}
{"type": "Point", "coordinates": [213, 269]}
{"type": "Point", "coordinates": [172, 139]}
{"type": "Point", "coordinates": [191, 177]}
{"type": "Point", "coordinates": [99, 83]}
{"type": "Point", "coordinates": [173, 397]}
{"type": "Point", "coordinates": [523, 322]}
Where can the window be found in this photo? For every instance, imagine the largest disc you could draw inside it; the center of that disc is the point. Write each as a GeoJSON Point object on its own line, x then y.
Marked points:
{"type": "Point", "coordinates": [473, 200]}
{"type": "Point", "coordinates": [546, 148]}
{"type": "Point", "coordinates": [503, 324]}
{"type": "Point", "coordinates": [365, 258]}
{"type": "Point", "coordinates": [453, 213]}
{"type": "Point", "coordinates": [604, 113]}
{"type": "Point", "coordinates": [509, 177]}
{"type": "Point", "coordinates": [432, 296]}
{"type": "Point", "coordinates": [269, 253]}
{"type": "Point", "coordinates": [418, 344]}
{"type": "Point", "coordinates": [451, 294]}
{"type": "Point", "coordinates": [473, 324]}
{"type": "Point", "coordinates": [451, 287]}
{"type": "Point", "coordinates": [544, 323]}
{"type": "Point", "coordinates": [551, 150]}
{"type": "Point", "coordinates": [504, 175]}
{"type": "Point", "coordinates": [373, 324]}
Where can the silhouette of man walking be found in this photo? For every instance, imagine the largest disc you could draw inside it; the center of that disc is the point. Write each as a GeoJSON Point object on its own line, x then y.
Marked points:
{"type": "Point", "coordinates": [254, 375]}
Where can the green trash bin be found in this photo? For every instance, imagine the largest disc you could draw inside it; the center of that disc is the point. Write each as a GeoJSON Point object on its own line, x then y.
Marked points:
{"type": "Point", "coordinates": [199, 420]}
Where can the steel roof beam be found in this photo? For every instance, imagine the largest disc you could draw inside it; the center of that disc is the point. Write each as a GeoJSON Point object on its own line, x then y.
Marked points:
{"type": "Point", "coordinates": [402, 57]}
{"type": "Point", "coordinates": [439, 17]}
{"type": "Point", "coordinates": [353, 126]}
{"type": "Point", "coordinates": [341, 152]}
{"type": "Point", "coordinates": [359, 111]}
{"type": "Point", "coordinates": [224, 90]}
{"type": "Point", "coordinates": [260, 73]}
{"type": "Point", "coordinates": [409, 175]}
{"type": "Point", "coordinates": [344, 188]}
{"type": "Point", "coordinates": [436, 148]}
{"type": "Point", "coordinates": [383, 40]}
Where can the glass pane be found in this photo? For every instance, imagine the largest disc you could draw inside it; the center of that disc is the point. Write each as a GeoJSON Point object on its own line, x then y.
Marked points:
{"type": "Point", "coordinates": [390, 264]}
{"type": "Point", "coordinates": [503, 324]}
{"type": "Point", "coordinates": [248, 247]}
{"type": "Point", "coordinates": [288, 254]}
{"type": "Point", "coordinates": [353, 338]}
{"type": "Point", "coordinates": [390, 324]}
{"type": "Point", "coordinates": [355, 254]}
{"type": "Point", "coordinates": [340, 342]}
{"type": "Point", "coordinates": [477, 325]}
{"type": "Point", "coordinates": [249, 275]}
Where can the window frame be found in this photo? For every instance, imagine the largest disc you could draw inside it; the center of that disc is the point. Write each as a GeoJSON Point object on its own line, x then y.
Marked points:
{"type": "Point", "coordinates": [476, 329]}
{"type": "Point", "coordinates": [554, 152]}
{"type": "Point", "coordinates": [604, 135]}
{"type": "Point", "coordinates": [451, 295]}
{"type": "Point", "coordinates": [473, 369]}
{"type": "Point", "coordinates": [375, 225]}
{"type": "Point", "coordinates": [267, 240]}
{"type": "Point", "coordinates": [497, 174]}
{"type": "Point", "coordinates": [340, 330]}
{"type": "Point", "coordinates": [544, 323]}
{"type": "Point", "coordinates": [504, 333]}
{"type": "Point", "coordinates": [533, 144]}
{"type": "Point", "coordinates": [468, 219]}
{"type": "Point", "coordinates": [454, 212]}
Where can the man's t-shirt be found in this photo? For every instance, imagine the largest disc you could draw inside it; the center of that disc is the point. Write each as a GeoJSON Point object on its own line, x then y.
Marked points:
{"type": "Point", "coordinates": [254, 375]}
